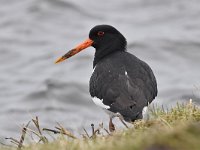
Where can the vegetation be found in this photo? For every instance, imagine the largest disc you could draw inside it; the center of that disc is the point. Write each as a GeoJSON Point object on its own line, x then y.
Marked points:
{"type": "Point", "coordinates": [175, 129]}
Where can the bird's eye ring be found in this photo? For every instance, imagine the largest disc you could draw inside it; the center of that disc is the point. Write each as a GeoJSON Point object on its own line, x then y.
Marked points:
{"type": "Point", "coordinates": [100, 33]}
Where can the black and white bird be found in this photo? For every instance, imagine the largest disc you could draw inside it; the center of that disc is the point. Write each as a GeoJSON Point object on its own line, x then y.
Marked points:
{"type": "Point", "coordinates": [121, 83]}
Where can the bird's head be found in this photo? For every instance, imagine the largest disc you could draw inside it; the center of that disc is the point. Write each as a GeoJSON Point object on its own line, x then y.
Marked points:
{"type": "Point", "coordinates": [104, 38]}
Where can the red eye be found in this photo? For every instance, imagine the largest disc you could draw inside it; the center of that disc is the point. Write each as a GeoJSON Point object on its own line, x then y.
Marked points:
{"type": "Point", "coordinates": [100, 33]}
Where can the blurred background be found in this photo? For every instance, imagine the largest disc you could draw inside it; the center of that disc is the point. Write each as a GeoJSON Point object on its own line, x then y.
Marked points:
{"type": "Point", "coordinates": [34, 33]}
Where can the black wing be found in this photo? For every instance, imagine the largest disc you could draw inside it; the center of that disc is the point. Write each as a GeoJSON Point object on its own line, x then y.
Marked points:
{"type": "Point", "coordinates": [124, 83]}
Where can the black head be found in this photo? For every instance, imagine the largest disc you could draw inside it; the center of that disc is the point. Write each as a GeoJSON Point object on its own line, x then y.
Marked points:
{"type": "Point", "coordinates": [104, 38]}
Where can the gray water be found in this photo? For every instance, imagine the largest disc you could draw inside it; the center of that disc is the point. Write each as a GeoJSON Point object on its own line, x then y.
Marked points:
{"type": "Point", "coordinates": [34, 33]}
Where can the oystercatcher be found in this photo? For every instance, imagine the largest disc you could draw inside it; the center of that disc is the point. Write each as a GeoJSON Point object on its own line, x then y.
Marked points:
{"type": "Point", "coordinates": [121, 83]}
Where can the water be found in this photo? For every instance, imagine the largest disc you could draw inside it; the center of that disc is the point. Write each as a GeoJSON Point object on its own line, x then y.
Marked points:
{"type": "Point", "coordinates": [34, 33]}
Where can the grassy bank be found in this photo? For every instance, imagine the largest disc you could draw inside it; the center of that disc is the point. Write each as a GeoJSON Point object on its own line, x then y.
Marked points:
{"type": "Point", "coordinates": [176, 129]}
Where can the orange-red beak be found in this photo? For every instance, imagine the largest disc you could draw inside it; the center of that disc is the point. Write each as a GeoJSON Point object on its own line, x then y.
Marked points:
{"type": "Point", "coordinates": [75, 50]}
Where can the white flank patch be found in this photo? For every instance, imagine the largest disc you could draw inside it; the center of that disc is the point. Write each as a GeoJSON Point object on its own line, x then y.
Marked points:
{"type": "Point", "coordinates": [126, 73]}
{"type": "Point", "coordinates": [145, 113]}
{"type": "Point", "coordinates": [99, 102]}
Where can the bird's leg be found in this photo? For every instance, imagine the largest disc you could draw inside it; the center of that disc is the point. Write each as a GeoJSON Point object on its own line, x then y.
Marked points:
{"type": "Point", "coordinates": [122, 120]}
{"type": "Point", "coordinates": [111, 126]}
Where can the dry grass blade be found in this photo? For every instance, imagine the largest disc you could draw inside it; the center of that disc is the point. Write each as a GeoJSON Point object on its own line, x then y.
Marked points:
{"type": "Point", "coordinates": [64, 131]}
{"type": "Point", "coordinates": [84, 137]}
{"type": "Point", "coordinates": [97, 131]}
{"type": "Point", "coordinates": [24, 129]}
{"type": "Point", "coordinates": [3, 144]}
{"type": "Point", "coordinates": [34, 132]}
{"type": "Point", "coordinates": [12, 140]}
{"type": "Point", "coordinates": [51, 130]}
{"type": "Point", "coordinates": [86, 132]}
{"type": "Point", "coordinates": [123, 122]}
{"type": "Point", "coordinates": [36, 123]}
{"type": "Point", "coordinates": [107, 131]}
{"type": "Point", "coordinates": [41, 137]}
{"type": "Point", "coordinates": [166, 123]}
{"type": "Point", "coordinates": [14, 143]}
{"type": "Point", "coordinates": [60, 130]}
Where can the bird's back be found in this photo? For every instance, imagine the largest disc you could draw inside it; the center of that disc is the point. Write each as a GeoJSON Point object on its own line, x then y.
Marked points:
{"type": "Point", "coordinates": [124, 83]}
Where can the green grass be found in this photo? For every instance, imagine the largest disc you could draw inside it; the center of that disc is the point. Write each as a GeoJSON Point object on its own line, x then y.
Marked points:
{"type": "Point", "coordinates": [176, 129]}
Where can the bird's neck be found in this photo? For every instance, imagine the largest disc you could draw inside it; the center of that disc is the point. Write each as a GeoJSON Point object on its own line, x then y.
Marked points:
{"type": "Point", "coordinates": [104, 50]}
{"type": "Point", "coordinates": [100, 54]}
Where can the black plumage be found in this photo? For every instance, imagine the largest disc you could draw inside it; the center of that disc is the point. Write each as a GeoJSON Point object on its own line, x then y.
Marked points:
{"type": "Point", "coordinates": [125, 83]}
{"type": "Point", "coordinates": [122, 81]}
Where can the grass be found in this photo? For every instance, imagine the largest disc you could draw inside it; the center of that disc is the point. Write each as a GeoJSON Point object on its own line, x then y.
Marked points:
{"type": "Point", "coordinates": [175, 129]}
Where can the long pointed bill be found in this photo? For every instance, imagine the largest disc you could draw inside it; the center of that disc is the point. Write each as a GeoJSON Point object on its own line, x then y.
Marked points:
{"type": "Point", "coordinates": [76, 50]}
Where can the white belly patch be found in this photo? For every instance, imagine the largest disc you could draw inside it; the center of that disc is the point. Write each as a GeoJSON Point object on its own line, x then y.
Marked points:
{"type": "Point", "coordinates": [99, 102]}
